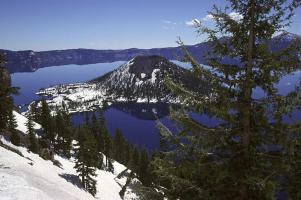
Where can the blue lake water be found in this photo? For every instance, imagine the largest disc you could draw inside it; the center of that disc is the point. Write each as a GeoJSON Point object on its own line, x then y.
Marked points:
{"type": "Point", "coordinates": [138, 122]}
{"type": "Point", "coordinates": [31, 82]}
{"type": "Point", "coordinates": [134, 121]}
{"type": "Point", "coordinates": [141, 132]}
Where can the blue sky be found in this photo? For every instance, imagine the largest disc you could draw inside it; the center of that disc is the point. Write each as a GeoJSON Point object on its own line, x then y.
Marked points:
{"type": "Point", "coordinates": [102, 24]}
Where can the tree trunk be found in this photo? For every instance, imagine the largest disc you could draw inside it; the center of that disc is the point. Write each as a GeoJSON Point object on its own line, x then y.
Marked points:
{"type": "Point", "coordinates": [248, 87]}
{"type": "Point", "coordinates": [247, 107]}
{"type": "Point", "coordinates": [83, 179]}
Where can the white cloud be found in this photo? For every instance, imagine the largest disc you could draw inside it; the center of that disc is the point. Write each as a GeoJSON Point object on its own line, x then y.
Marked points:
{"type": "Point", "coordinates": [193, 23]}
{"type": "Point", "coordinates": [208, 17]}
{"type": "Point", "coordinates": [235, 16]}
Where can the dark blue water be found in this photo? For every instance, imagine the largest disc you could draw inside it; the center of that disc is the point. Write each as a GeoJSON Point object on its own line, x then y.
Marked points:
{"type": "Point", "coordinates": [139, 123]}
{"type": "Point", "coordinates": [141, 132]}
{"type": "Point", "coordinates": [31, 82]}
{"type": "Point", "coordinates": [134, 121]}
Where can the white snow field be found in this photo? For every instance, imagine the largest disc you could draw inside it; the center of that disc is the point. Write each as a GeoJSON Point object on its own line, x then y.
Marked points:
{"type": "Point", "coordinates": [21, 122]}
{"type": "Point", "coordinates": [33, 178]}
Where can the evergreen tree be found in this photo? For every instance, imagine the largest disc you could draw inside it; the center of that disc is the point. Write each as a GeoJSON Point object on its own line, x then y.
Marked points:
{"type": "Point", "coordinates": [86, 159]}
{"type": "Point", "coordinates": [136, 161]}
{"type": "Point", "coordinates": [243, 156]}
{"type": "Point", "coordinates": [12, 124]}
{"type": "Point", "coordinates": [105, 141]}
{"type": "Point", "coordinates": [100, 161]}
{"type": "Point", "coordinates": [6, 105]}
{"type": "Point", "coordinates": [96, 129]}
{"type": "Point", "coordinates": [33, 142]}
{"type": "Point", "coordinates": [128, 155]}
{"type": "Point", "coordinates": [35, 112]}
{"type": "Point", "coordinates": [119, 147]}
{"type": "Point", "coordinates": [68, 133]}
{"type": "Point", "coordinates": [64, 132]}
{"type": "Point", "coordinates": [47, 123]}
{"type": "Point", "coordinates": [103, 131]}
{"type": "Point", "coordinates": [107, 148]}
{"type": "Point", "coordinates": [144, 169]}
{"type": "Point", "coordinates": [294, 177]}
{"type": "Point", "coordinates": [15, 138]}
{"type": "Point", "coordinates": [95, 126]}
{"type": "Point", "coordinates": [110, 166]}
{"type": "Point", "coordinates": [59, 130]}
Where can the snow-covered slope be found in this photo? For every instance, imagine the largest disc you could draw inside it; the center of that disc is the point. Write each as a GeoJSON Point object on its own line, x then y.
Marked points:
{"type": "Point", "coordinates": [33, 178]}
{"type": "Point", "coordinates": [30, 177]}
{"type": "Point", "coordinates": [21, 123]}
{"type": "Point", "coordinates": [141, 80]}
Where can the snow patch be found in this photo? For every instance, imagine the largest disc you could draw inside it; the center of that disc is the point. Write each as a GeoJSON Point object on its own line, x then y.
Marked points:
{"type": "Point", "coordinates": [21, 122]}
{"type": "Point", "coordinates": [154, 75]}
{"type": "Point", "coordinates": [142, 75]}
